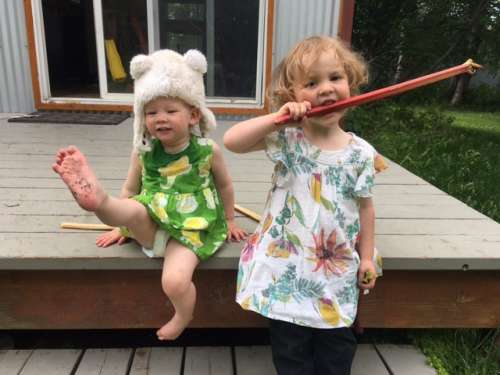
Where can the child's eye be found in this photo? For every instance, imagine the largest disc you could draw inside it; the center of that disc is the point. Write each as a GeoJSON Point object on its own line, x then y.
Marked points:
{"type": "Point", "coordinates": [335, 77]}
{"type": "Point", "coordinates": [172, 111]}
{"type": "Point", "coordinates": [310, 84]}
{"type": "Point", "coordinates": [150, 113]}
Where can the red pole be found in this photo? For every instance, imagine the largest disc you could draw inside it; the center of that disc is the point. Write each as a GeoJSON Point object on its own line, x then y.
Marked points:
{"type": "Point", "coordinates": [468, 67]}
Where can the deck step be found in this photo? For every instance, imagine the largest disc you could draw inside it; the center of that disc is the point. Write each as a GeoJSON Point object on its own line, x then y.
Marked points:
{"type": "Point", "coordinates": [405, 359]}
{"type": "Point", "coordinates": [239, 360]}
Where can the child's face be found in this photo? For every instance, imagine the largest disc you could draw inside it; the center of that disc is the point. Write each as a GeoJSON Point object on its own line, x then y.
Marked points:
{"type": "Point", "coordinates": [170, 120]}
{"type": "Point", "coordinates": [325, 82]}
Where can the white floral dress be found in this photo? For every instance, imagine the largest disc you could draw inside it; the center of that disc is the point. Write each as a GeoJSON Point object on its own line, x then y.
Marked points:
{"type": "Point", "coordinates": [301, 265]}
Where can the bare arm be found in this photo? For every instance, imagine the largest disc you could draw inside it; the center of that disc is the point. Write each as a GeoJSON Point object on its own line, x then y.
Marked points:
{"type": "Point", "coordinates": [249, 135]}
{"type": "Point", "coordinates": [224, 186]}
{"type": "Point", "coordinates": [131, 187]}
{"type": "Point", "coordinates": [366, 243]}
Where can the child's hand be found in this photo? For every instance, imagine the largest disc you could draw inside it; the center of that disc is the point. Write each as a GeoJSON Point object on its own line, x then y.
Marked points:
{"type": "Point", "coordinates": [234, 232]}
{"type": "Point", "coordinates": [296, 110]}
{"type": "Point", "coordinates": [367, 275]}
{"type": "Point", "coordinates": [111, 237]}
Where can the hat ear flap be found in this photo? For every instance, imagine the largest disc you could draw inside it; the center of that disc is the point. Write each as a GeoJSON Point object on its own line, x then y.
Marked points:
{"type": "Point", "coordinates": [139, 65]}
{"type": "Point", "coordinates": [196, 61]}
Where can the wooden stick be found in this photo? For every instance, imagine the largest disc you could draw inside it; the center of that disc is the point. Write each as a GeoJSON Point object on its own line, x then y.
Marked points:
{"type": "Point", "coordinates": [86, 226]}
{"type": "Point", "coordinates": [468, 67]}
{"type": "Point", "coordinates": [245, 211]}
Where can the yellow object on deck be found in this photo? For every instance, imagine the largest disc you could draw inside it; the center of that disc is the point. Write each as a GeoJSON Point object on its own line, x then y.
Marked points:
{"type": "Point", "coordinates": [114, 61]}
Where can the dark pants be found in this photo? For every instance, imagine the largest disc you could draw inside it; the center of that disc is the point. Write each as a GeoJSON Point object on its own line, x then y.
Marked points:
{"type": "Point", "coordinates": [299, 350]}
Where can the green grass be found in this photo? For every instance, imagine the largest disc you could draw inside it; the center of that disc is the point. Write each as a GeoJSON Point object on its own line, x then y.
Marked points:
{"type": "Point", "coordinates": [460, 156]}
{"type": "Point", "coordinates": [460, 352]}
{"type": "Point", "coordinates": [486, 122]}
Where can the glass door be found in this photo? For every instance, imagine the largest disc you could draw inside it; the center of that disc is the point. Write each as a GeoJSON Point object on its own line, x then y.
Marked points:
{"type": "Point", "coordinates": [85, 46]}
{"type": "Point", "coordinates": [121, 33]}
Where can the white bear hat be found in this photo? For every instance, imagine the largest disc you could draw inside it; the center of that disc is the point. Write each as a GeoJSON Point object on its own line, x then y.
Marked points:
{"type": "Point", "coordinates": [166, 73]}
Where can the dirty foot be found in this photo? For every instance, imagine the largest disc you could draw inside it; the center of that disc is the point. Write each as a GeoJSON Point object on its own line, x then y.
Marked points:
{"type": "Point", "coordinates": [173, 328]}
{"type": "Point", "coordinates": [74, 170]}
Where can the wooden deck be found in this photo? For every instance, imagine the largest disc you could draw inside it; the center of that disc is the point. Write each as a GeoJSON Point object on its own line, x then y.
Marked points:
{"type": "Point", "coordinates": [441, 257]}
{"type": "Point", "coordinates": [256, 360]}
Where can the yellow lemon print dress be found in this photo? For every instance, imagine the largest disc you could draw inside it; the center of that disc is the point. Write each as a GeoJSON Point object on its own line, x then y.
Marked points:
{"type": "Point", "coordinates": [181, 198]}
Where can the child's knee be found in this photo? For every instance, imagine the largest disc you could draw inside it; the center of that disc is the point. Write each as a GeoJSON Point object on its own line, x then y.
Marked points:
{"type": "Point", "coordinates": [175, 284]}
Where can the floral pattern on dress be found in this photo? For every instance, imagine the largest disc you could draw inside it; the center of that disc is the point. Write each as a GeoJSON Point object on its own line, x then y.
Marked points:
{"type": "Point", "coordinates": [300, 265]}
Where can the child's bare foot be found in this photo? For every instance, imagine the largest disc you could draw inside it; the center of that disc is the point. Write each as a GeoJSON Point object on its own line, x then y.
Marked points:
{"type": "Point", "coordinates": [74, 170]}
{"type": "Point", "coordinates": [173, 328]}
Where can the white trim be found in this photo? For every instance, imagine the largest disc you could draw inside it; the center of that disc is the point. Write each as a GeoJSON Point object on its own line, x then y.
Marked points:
{"type": "Point", "coordinates": [210, 30]}
{"type": "Point", "coordinates": [153, 18]}
{"type": "Point", "coordinates": [336, 17]}
{"type": "Point", "coordinates": [217, 103]}
{"type": "Point", "coordinates": [41, 51]}
{"type": "Point", "coordinates": [261, 53]}
{"type": "Point", "coordinates": [99, 43]}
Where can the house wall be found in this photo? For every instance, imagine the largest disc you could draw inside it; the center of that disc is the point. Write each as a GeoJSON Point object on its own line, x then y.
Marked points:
{"type": "Point", "coordinates": [293, 21]}
{"type": "Point", "coordinates": [16, 94]}
{"type": "Point", "coordinates": [297, 19]}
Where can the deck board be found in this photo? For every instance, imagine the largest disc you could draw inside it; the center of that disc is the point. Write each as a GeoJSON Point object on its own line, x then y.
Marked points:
{"type": "Point", "coordinates": [104, 362]}
{"type": "Point", "coordinates": [367, 362]}
{"type": "Point", "coordinates": [157, 361]}
{"type": "Point", "coordinates": [254, 360]}
{"type": "Point", "coordinates": [208, 361]}
{"type": "Point", "coordinates": [13, 361]}
{"type": "Point", "coordinates": [33, 201]}
{"type": "Point", "coordinates": [405, 360]}
{"type": "Point", "coordinates": [248, 360]}
{"type": "Point", "coordinates": [51, 361]}
{"type": "Point", "coordinates": [419, 229]}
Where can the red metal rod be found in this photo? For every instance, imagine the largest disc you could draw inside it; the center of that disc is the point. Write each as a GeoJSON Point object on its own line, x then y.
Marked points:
{"type": "Point", "coordinates": [468, 67]}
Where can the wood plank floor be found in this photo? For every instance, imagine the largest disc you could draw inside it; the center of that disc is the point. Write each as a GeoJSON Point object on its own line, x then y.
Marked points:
{"type": "Point", "coordinates": [419, 230]}
{"type": "Point", "coordinates": [242, 360]}
{"type": "Point", "coordinates": [419, 227]}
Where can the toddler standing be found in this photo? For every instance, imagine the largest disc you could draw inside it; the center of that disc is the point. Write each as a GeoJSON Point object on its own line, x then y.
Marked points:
{"type": "Point", "coordinates": [314, 249]}
{"type": "Point", "coordinates": [182, 204]}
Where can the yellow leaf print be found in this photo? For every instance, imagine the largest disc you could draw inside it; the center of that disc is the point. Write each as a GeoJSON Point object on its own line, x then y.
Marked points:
{"type": "Point", "coordinates": [209, 197]}
{"type": "Point", "coordinates": [276, 250]}
{"type": "Point", "coordinates": [246, 303]}
{"type": "Point", "coordinates": [380, 164]}
{"type": "Point", "coordinates": [379, 261]}
{"type": "Point", "coordinates": [169, 184]}
{"type": "Point", "coordinates": [329, 311]}
{"type": "Point", "coordinates": [204, 166]}
{"type": "Point", "coordinates": [186, 203]}
{"type": "Point", "coordinates": [195, 223]}
{"type": "Point", "coordinates": [157, 205]}
{"type": "Point", "coordinates": [267, 223]}
{"type": "Point", "coordinates": [193, 237]}
{"type": "Point", "coordinates": [316, 187]}
{"type": "Point", "coordinates": [176, 168]}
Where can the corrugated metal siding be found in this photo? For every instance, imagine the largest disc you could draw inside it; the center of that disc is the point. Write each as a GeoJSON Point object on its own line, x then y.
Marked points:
{"type": "Point", "coordinates": [297, 19]}
{"type": "Point", "coordinates": [16, 93]}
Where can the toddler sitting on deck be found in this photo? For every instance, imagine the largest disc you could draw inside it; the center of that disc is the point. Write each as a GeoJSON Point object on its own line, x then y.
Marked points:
{"type": "Point", "coordinates": [182, 198]}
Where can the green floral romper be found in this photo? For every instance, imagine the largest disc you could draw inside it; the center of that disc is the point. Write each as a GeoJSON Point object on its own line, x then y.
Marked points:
{"type": "Point", "coordinates": [179, 193]}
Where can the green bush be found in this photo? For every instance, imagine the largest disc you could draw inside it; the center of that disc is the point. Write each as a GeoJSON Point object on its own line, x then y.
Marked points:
{"type": "Point", "coordinates": [459, 161]}
{"type": "Point", "coordinates": [461, 351]}
{"type": "Point", "coordinates": [482, 97]}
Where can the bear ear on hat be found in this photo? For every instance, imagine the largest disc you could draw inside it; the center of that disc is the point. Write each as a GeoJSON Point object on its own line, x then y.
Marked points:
{"type": "Point", "coordinates": [139, 65]}
{"type": "Point", "coordinates": [196, 61]}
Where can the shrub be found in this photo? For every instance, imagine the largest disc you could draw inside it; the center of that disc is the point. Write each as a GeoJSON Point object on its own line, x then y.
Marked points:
{"type": "Point", "coordinates": [458, 161]}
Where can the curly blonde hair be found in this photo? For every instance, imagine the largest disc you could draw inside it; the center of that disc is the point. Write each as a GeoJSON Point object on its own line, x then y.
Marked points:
{"type": "Point", "coordinates": [302, 56]}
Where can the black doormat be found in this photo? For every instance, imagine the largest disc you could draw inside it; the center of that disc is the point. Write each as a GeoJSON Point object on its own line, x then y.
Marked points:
{"type": "Point", "coordinates": [73, 117]}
